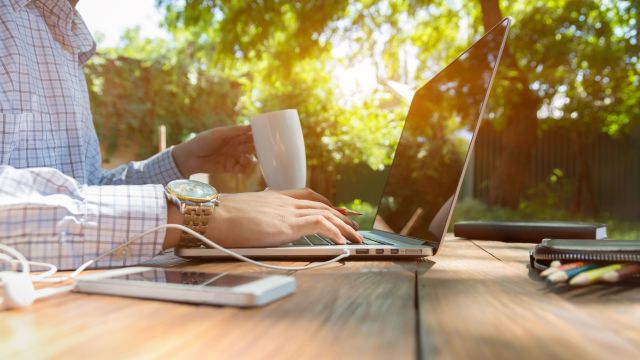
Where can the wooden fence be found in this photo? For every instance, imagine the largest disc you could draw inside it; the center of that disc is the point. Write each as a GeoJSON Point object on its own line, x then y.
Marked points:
{"type": "Point", "coordinates": [612, 177]}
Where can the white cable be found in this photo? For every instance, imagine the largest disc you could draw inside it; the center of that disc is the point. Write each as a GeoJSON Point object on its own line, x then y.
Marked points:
{"type": "Point", "coordinates": [43, 277]}
{"type": "Point", "coordinates": [47, 275]}
{"type": "Point", "coordinates": [52, 279]}
{"type": "Point", "coordinates": [344, 254]}
{"type": "Point", "coordinates": [19, 257]}
{"type": "Point", "coordinates": [51, 291]}
{"type": "Point", "coordinates": [9, 260]}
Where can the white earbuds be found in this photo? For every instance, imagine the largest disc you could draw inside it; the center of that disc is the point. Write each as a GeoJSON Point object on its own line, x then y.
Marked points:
{"type": "Point", "coordinates": [16, 290]}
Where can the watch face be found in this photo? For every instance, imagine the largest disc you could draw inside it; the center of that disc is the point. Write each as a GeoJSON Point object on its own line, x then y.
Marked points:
{"type": "Point", "coordinates": [192, 190]}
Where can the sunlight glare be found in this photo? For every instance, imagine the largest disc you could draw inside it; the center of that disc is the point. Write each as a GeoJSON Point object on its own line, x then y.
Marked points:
{"type": "Point", "coordinates": [355, 84]}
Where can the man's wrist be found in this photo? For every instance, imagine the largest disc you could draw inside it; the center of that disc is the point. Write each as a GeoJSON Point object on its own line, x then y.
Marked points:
{"type": "Point", "coordinates": [182, 160]}
{"type": "Point", "coordinates": [172, 236]}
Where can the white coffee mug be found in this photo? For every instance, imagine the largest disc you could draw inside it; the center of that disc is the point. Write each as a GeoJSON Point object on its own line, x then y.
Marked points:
{"type": "Point", "coordinates": [280, 149]}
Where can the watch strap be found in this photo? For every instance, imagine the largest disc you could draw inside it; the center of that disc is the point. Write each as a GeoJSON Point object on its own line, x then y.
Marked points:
{"type": "Point", "coordinates": [197, 219]}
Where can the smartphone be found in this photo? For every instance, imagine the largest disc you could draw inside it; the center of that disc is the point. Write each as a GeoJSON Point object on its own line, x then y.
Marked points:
{"type": "Point", "coordinates": [244, 290]}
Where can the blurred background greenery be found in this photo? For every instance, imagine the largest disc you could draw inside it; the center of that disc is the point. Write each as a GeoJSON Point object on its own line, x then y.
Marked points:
{"type": "Point", "coordinates": [560, 139]}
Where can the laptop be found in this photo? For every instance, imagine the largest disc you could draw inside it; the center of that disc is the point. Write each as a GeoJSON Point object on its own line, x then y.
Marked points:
{"type": "Point", "coordinates": [425, 177]}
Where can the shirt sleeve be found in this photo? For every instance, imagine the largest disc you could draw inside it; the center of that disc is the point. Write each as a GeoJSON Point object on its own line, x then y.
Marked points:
{"type": "Point", "coordinates": [50, 217]}
{"type": "Point", "coordinates": [158, 169]}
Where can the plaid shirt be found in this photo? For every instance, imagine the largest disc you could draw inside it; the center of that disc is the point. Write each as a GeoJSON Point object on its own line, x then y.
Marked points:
{"type": "Point", "coordinates": [56, 204]}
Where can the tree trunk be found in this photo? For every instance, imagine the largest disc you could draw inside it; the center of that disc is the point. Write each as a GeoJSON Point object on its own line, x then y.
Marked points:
{"type": "Point", "coordinates": [510, 178]}
{"type": "Point", "coordinates": [491, 13]}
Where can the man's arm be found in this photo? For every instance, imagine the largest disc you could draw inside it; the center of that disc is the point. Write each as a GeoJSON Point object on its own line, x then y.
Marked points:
{"type": "Point", "coordinates": [223, 149]}
{"type": "Point", "coordinates": [50, 217]}
{"type": "Point", "coordinates": [158, 169]}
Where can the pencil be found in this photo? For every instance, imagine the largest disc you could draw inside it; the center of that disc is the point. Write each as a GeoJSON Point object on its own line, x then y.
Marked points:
{"type": "Point", "coordinates": [564, 267]}
{"type": "Point", "coordinates": [627, 271]}
{"type": "Point", "coordinates": [564, 275]}
{"type": "Point", "coordinates": [591, 276]}
{"type": "Point", "coordinates": [555, 263]}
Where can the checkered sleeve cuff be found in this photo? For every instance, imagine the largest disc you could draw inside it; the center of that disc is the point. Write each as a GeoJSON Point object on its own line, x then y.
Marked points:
{"type": "Point", "coordinates": [114, 214]}
{"type": "Point", "coordinates": [158, 169]}
{"type": "Point", "coordinates": [161, 168]}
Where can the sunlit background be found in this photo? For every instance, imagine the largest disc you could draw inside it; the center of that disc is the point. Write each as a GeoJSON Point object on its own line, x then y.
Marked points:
{"type": "Point", "coordinates": [108, 22]}
{"type": "Point", "coordinates": [561, 136]}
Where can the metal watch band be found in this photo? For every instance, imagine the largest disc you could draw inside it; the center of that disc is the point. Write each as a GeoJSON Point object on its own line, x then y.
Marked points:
{"type": "Point", "coordinates": [197, 219]}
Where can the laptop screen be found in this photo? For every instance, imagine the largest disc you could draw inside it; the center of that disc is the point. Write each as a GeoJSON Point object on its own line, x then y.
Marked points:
{"type": "Point", "coordinates": [438, 133]}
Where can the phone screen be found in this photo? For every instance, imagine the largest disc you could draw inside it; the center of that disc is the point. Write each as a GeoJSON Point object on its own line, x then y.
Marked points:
{"type": "Point", "coordinates": [164, 276]}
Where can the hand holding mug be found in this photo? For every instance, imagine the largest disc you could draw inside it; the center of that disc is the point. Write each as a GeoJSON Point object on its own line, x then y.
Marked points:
{"type": "Point", "coordinates": [221, 149]}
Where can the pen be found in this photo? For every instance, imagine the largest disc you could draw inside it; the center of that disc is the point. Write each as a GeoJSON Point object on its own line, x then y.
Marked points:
{"type": "Point", "coordinates": [591, 276]}
{"type": "Point", "coordinates": [627, 271]}
{"type": "Point", "coordinates": [564, 275]}
{"type": "Point", "coordinates": [564, 267]}
{"type": "Point", "coordinates": [347, 212]}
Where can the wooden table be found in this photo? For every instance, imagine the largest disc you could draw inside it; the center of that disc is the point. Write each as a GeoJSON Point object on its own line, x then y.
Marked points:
{"type": "Point", "coordinates": [473, 300]}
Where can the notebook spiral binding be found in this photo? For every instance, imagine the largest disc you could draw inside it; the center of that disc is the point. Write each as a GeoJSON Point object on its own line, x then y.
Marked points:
{"type": "Point", "coordinates": [613, 257]}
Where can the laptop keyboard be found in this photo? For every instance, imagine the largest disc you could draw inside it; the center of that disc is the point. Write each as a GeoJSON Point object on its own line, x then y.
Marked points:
{"type": "Point", "coordinates": [319, 240]}
{"type": "Point", "coordinates": [312, 240]}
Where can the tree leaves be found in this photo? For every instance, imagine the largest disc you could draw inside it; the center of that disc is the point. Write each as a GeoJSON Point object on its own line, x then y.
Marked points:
{"type": "Point", "coordinates": [582, 54]}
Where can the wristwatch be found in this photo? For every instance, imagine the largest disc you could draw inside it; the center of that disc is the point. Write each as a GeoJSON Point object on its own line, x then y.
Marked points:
{"type": "Point", "coordinates": [196, 201]}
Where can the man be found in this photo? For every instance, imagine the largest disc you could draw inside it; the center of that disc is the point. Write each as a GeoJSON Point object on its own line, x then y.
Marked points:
{"type": "Point", "coordinates": [57, 205]}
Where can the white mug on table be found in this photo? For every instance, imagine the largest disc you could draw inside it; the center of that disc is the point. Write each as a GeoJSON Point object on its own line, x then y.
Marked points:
{"type": "Point", "coordinates": [280, 149]}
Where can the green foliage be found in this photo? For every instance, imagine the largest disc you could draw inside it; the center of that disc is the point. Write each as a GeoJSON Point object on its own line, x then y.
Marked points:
{"type": "Point", "coordinates": [280, 53]}
{"type": "Point", "coordinates": [228, 60]}
{"type": "Point", "coordinates": [365, 221]}
{"type": "Point", "coordinates": [363, 133]}
{"type": "Point", "coordinates": [584, 54]}
{"type": "Point", "coordinates": [145, 84]}
{"type": "Point", "coordinates": [555, 193]}
{"type": "Point", "coordinates": [231, 31]}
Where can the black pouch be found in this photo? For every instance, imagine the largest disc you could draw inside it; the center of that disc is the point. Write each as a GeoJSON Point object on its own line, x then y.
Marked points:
{"type": "Point", "coordinates": [530, 231]}
{"type": "Point", "coordinates": [605, 251]}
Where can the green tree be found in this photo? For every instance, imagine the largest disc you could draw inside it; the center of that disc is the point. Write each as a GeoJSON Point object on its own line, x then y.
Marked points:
{"type": "Point", "coordinates": [144, 84]}
{"type": "Point", "coordinates": [579, 62]}
{"type": "Point", "coordinates": [569, 62]}
{"type": "Point", "coordinates": [280, 52]}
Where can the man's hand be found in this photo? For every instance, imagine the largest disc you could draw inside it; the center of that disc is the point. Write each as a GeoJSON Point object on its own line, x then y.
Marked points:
{"type": "Point", "coordinates": [271, 218]}
{"type": "Point", "coordinates": [223, 149]}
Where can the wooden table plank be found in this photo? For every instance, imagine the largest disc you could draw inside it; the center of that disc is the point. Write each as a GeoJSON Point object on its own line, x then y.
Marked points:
{"type": "Point", "coordinates": [335, 314]}
{"type": "Point", "coordinates": [615, 306]}
{"type": "Point", "coordinates": [475, 300]}
{"type": "Point", "coordinates": [472, 305]}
